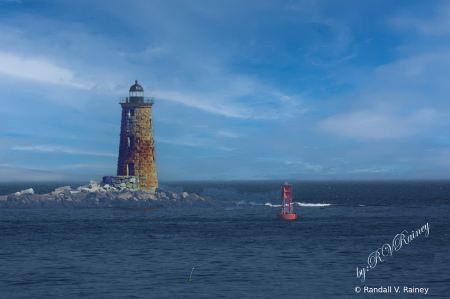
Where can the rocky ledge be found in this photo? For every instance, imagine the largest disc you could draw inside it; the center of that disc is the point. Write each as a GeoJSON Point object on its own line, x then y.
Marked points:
{"type": "Point", "coordinates": [95, 195]}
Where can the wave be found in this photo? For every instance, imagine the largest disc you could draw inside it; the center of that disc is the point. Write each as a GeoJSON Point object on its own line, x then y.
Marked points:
{"type": "Point", "coordinates": [302, 204]}
{"type": "Point", "coordinates": [272, 206]}
{"type": "Point", "coordinates": [252, 203]}
{"type": "Point", "coordinates": [313, 204]}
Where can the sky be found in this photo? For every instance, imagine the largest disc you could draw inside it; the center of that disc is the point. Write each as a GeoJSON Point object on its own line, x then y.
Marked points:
{"type": "Point", "coordinates": [244, 90]}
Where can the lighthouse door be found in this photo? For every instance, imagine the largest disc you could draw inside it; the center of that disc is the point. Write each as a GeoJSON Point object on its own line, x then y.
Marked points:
{"type": "Point", "coordinates": [130, 168]}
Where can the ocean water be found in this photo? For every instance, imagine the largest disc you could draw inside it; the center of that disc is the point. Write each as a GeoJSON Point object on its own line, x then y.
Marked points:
{"type": "Point", "coordinates": [238, 252]}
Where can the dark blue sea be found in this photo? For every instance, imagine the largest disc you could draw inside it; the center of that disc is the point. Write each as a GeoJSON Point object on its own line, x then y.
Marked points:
{"type": "Point", "coordinates": [235, 252]}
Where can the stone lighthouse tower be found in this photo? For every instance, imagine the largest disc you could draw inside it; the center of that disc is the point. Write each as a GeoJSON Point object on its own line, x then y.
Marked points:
{"type": "Point", "coordinates": [137, 146]}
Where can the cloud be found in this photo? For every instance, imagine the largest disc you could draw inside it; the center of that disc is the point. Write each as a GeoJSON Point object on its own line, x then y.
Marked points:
{"type": "Point", "coordinates": [46, 148]}
{"type": "Point", "coordinates": [438, 25]}
{"type": "Point", "coordinates": [430, 69]}
{"type": "Point", "coordinates": [154, 50]}
{"type": "Point", "coordinates": [38, 69]}
{"type": "Point", "coordinates": [304, 165]}
{"type": "Point", "coordinates": [264, 105]}
{"type": "Point", "coordinates": [206, 103]}
{"type": "Point", "coordinates": [17, 174]}
{"type": "Point", "coordinates": [180, 142]}
{"type": "Point", "coordinates": [228, 134]}
{"type": "Point", "coordinates": [373, 170]}
{"type": "Point", "coordinates": [88, 166]}
{"type": "Point", "coordinates": [226, 148]}
{"type": "Point", "coordinates": [375, 125]}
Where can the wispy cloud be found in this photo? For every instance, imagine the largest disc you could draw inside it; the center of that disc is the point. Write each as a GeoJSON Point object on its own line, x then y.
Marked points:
{"type": "Point", "coordinates": [230, 106]}
{"type": "Point", "coordinates": [228, 134]}
{"type": "Point", "coordinates": [17, 174]}
{"type": "Point", "coordinates": [438, 25]}
{"type": "Point", "coordinates": [205, 103]}
{"type": "Point", "coordinates": [180, 142]}
{"type": "Point", "coordinates": [226, 148]}
{"type": "Point", "coordinates": [50, 148]}
{"type": "Point", "coordinates": [154, 50]}
{"type": "Point", "coordinates": [304, 165]}
{"type": "Point", "coordinates": [89, 166]}
{"type": "Point", "coordinates": [373, 170]}
{"type": "Point", "coordinates": [373, 125]}
{"type": "Point", "coordinates": [38, 69]}
{"type": "Point", "coordinates": [419, 70]}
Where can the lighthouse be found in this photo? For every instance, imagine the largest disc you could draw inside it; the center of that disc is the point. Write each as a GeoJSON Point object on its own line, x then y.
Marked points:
{"type": "Point", "coordinates": [137, 144]}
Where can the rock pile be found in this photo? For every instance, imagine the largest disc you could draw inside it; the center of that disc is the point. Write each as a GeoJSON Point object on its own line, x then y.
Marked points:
{"type": "Point", "coordinates": [95, 195]}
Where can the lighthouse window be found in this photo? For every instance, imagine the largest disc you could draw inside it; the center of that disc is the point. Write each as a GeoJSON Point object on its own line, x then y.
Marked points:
{"type": "Point", "coordinates": [130, 141]}
{"type": "Point", "coordinates": [130, 168]}
{"type": "Point", "coordinates": [131, 112]}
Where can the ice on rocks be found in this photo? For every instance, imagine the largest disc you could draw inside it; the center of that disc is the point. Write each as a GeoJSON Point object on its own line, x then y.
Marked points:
{"type": "Point", "coordinates": [62, 189]}
{"type": "Point", "coordinates": [27, 191]}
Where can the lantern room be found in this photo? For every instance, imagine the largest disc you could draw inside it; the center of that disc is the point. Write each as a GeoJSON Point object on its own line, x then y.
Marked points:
{"type": "Point", "coordinates": [136, 94]}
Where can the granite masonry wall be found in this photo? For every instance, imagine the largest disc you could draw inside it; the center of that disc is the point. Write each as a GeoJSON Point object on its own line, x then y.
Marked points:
{"type": "Point", "coordinates": [137, 147]}
{"type": "Point", "coordinates": [120, 183]}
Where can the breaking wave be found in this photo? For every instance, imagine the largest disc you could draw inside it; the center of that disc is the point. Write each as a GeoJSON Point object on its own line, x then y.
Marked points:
{"type": "Point", "coordinates": [302, 204]}
{"type": "Point", "coordinates": [313, 204]}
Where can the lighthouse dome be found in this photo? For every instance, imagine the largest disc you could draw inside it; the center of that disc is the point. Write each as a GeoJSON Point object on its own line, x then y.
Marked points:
{"type": "Point", "coordinates": [136, 87]}
{"type": "Point", "coordinates": [136, 93]}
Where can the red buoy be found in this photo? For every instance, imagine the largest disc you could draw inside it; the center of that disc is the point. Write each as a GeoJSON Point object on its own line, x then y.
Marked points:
{"type": "Point", "coordinates": [287, 210]}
